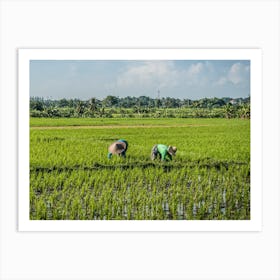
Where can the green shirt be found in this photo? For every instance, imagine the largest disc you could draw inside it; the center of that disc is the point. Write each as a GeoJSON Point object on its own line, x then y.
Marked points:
{"type": "Point", "coordinates": [163, 150]}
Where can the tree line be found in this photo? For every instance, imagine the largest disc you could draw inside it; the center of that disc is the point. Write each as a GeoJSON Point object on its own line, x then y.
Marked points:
{"type": "Point", "coordinates": [143, 106]}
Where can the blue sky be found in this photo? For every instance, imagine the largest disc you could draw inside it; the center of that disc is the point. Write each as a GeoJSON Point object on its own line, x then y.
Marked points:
{"type": "Point", "coordinates": [193, 79]}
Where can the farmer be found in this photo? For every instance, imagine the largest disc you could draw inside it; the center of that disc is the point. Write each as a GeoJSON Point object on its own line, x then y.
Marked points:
{"type": "Point", "coordinates": [118, 148]}
{"type": "Point", "coordinates": [163, 151]}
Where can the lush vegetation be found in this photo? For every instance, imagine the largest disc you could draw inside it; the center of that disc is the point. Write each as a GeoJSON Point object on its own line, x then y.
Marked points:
{"type": "Point", "coordinates": [141, 107]}
{"type": "Point", "coordinates": [71, 177]}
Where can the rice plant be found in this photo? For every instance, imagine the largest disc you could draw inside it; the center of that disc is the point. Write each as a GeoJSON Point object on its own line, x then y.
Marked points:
{"type": "Point", "coordinates": [71, 177]}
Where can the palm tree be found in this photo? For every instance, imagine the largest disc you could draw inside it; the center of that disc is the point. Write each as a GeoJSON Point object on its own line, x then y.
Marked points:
{"type": "Point", "coordinates": [244, 112]}
{"type": "Point", "coordinates": [92, 106]}
{"type": "Point", "coordinates": [80, 109]}
{"type": "Point", "coordinates": [229, 111]}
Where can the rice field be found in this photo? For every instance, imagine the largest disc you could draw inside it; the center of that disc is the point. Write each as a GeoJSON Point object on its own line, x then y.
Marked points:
{"type": "Point", "coordinates": [71, 177]}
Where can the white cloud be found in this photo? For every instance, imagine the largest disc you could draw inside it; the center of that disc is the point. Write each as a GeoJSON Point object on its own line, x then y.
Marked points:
{"type": "Point", "coordinates": [164, 75]}
{"type": "Point", "coordinates": [238, 75]}
{"type": "Point", "coordinates": [195, 69]}
{"type": "Point", "coordinates": [198, 74]}
{"type": "Point", "coordinates": [221, 81]}
{"type": "Point", "coordinates": [149, 74]}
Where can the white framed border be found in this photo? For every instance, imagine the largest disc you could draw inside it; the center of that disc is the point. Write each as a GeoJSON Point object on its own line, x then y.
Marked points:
{"type": "Point", "coordinates": [255, 57]}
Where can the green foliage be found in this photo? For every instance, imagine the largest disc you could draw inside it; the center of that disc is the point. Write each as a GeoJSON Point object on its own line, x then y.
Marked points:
{"type": "Point", "coordinates": [141, 107]}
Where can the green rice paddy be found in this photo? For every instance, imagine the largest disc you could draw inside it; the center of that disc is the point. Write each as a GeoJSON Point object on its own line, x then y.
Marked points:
{"type": "Point", "coordinates": [71, 177]}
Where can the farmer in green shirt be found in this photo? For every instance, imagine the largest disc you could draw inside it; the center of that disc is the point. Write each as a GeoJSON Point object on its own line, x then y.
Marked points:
{"type": "Point", "coordinates": [118, 148]}
{"type": "Point", "coordinates": [163, 151]}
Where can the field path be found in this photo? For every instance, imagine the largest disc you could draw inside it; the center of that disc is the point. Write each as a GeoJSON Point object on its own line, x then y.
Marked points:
{"type": "Point", "coordinates": [115, 126]}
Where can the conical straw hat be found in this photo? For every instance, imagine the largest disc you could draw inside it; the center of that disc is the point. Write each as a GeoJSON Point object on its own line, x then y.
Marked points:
{"type": "Point", "coordinates": [117, 148]}
{"type": "Point", "coordinates": [172, 150]}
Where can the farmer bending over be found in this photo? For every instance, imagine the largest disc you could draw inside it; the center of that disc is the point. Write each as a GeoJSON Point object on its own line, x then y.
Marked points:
{"type": "Point", "coordinates": [118, 148]}
{"type": "Point", "coordinates": [165, 152]}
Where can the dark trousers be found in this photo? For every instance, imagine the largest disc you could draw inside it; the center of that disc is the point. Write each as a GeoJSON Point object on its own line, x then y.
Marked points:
{"type": "Point", "coordinates": [154, 152]}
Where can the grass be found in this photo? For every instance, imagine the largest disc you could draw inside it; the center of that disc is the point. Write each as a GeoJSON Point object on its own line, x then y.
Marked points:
{"type": "Point", "coordinates": [58, 122]}
{"type": "Point", "coordinates": [71, 177]}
